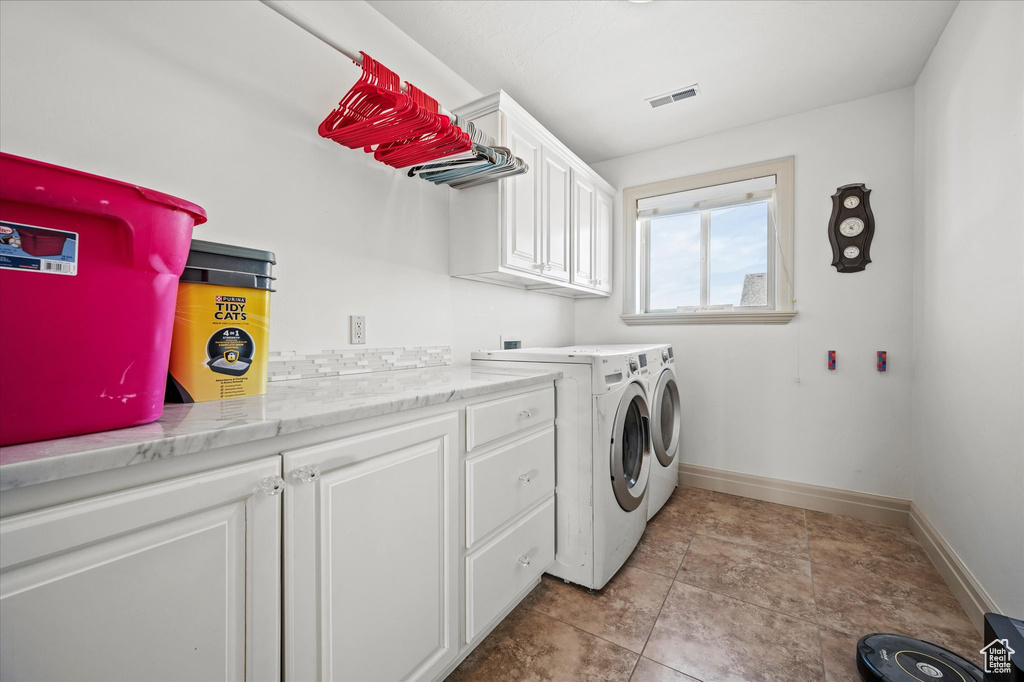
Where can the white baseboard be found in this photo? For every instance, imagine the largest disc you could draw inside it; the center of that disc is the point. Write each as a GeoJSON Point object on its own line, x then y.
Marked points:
{"type": "Point", "coordinates": [890, 511]}
{"type": "Point", "coordinates": [971, 595]}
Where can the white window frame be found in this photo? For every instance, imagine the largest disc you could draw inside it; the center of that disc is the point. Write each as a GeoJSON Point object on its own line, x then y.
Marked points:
{"type": "Point", "coordinates": [780, 308]}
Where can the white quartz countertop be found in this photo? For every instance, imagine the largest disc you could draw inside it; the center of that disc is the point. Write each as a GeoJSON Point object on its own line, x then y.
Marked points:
{"type": "Point", "coordinates": [288, 407]}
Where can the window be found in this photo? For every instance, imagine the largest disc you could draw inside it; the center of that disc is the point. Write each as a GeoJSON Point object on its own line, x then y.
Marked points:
{"type": "Point", "coordinates": [715, 247]}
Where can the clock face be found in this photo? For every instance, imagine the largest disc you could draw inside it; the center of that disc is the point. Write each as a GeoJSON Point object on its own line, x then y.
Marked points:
{"type": "Point", "coordinates": [851, 252]}
{"type": "Point", "coordinates": [851, 202]}
{"type": "Point", "coordinates": [851, 227]}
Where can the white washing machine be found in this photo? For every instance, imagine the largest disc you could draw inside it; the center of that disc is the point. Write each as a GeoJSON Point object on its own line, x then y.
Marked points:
{"type": "Point", "coordinates": [656, 364]}
{"type": "Point", "coordinates": [602, 454]}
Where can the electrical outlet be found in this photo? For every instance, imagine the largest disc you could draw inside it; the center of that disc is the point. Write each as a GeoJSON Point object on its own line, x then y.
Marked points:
{"type": "Point", "coordinates": [358, 328]}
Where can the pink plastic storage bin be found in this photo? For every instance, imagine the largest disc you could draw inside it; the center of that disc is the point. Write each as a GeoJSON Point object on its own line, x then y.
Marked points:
{"type": "Point", "coordinates": [87, 352]}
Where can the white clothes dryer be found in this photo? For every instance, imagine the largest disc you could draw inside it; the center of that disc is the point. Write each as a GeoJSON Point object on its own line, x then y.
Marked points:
{"type": "Point", "coordinates": [666, 426]}
{"type": "Point", "coordinates": [603, 459]}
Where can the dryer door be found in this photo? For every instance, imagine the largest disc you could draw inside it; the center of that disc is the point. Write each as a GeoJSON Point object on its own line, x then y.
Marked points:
{"type": "Point", "coordinates": [631, 448]}
{"type": "Point", "coordinates": [666, 418]}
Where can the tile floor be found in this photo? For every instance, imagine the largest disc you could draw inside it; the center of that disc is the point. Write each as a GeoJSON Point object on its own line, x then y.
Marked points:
{"type": "Point", "coordinates": [724, 588]}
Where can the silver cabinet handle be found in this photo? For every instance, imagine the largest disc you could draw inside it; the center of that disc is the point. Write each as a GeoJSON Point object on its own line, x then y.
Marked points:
{"type": "Point", "coordinates": [271, 485]}
{"type": "Point", "coordinates": [525, 478]}
{"type": "Point", "coordinates": [525, 414]}
{"type": "Point", "coordinates": [524, 560]}
{"type": "Point", "coordinates": [307, 473]}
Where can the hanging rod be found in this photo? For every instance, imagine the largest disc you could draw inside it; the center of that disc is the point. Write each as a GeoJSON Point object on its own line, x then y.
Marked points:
{"type": "Point", "coordinates": [308, 26]}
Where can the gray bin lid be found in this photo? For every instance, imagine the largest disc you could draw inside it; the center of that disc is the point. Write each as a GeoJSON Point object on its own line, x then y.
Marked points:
{"type": "Point", "coordinates": [230, 258]}
{"type": "Point", "coordinates": [201, 246]}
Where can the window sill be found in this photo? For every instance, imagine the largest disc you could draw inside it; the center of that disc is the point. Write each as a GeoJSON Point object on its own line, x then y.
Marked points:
{"type": "Point", "coordinates": [731, 317]}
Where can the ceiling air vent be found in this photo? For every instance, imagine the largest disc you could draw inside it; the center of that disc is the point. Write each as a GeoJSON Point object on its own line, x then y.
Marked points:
{"type": "Point", "coordinates": [674, 96]}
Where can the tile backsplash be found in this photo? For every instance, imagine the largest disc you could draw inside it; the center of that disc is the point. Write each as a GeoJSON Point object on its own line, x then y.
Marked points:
{"type": "Point", "coordinates": [285, 365]}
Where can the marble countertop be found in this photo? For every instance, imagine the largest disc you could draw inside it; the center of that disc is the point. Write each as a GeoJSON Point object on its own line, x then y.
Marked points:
{"type": "Point", "coordinates": [288, 407]}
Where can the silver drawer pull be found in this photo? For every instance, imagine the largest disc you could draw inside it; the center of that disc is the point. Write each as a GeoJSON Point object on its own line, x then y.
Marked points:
{"type": "Point", "coordinates": [524, 561]}
{"type": "Point", "coordinates": [525, 478]}
{"type": "Point", "coordinates": [525, 414]}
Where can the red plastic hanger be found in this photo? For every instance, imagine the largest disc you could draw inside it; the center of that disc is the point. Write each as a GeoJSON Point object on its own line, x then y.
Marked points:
{"type": "Point", "coordinates": [445, 139]}
{"type": "Point", "coordinates": [373, 111]}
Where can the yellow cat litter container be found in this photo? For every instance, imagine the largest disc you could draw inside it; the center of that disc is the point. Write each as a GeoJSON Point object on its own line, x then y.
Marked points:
{"type": "Point", "coordinates": [221, 324]}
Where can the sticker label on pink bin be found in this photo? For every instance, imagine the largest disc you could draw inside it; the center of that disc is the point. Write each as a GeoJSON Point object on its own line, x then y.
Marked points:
{"type": "Point", "coordinates": [38, 249]}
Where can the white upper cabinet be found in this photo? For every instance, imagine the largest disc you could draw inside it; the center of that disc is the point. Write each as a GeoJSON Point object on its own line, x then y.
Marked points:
{"type": "Point", "coordinates": [592, 234]}
{"type": "Point", "coordinates": [547, 230]}
{"type": "Point", "coordinates": [603, 241]}
{"type": "Point", "coordinates": [523, 239]}
{"type": "Point", "coordinates": [555, 214]}
{"type": "Point", "coordinates": [583, 231]}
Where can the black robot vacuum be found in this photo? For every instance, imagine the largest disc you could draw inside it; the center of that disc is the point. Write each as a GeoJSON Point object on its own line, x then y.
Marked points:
{"type": "Point", "coordinates": [894, 658]}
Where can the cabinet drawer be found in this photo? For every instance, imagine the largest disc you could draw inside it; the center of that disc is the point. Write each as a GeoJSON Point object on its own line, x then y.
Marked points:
{"type": "Point", "coordinates": [498, 418]}
{"type": "Point", "coordinates": [502, 483]}
{"type": "Point", "coordinates": [505, 566]}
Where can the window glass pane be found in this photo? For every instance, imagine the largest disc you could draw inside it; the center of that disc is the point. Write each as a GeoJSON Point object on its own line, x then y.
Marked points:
{"type": "Point", "coordinates": [738, 255]}
{"type": "Point", "coordinates": [675, 261]}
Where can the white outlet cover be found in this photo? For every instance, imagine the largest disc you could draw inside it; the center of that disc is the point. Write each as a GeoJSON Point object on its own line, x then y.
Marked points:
{"type": "Point", "coordinates": [357, 329]}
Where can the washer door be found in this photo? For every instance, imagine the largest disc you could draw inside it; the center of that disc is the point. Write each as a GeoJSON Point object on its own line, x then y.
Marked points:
{"type": "Point", "coordinates": [631, 448]}
{"type": "Point", "coordinates": [667, 418]}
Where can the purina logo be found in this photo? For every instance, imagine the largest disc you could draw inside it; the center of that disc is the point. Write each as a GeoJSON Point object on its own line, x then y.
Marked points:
{"type": "Point", "coordinates": [230, 308]}
{"type": "Point", "coordinates": [997, 657]}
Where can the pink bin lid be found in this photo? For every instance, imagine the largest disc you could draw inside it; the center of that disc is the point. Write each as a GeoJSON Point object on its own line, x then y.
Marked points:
{"type": "Point", "coordinates": [197, 212]}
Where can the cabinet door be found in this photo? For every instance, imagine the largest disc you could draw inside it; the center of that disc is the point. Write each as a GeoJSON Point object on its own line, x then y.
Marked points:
{"type": "Point", "coordinates": [583, 233]}
{"type": "Point", "coordinates": [522, 243]}
{"type": "Point", "coordinates": [371, 555]}
{"type": "Point", "coordinates": [603, 241]}
{"type": "Point", "coordinates": [171, 581]}
{"type": "Point", "coordinates": [556, 192]}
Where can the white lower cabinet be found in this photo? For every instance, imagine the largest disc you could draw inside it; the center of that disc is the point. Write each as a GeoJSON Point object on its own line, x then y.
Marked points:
{"type": "Point", "coordinates": [507, 565]}
{"type": "Point", "coordinates": [371, 555]}
{"type": "Point", "coordinates": [505, 482]}
{"type": "Point", "coordinates": [178, 580]}
{"type": "Point", "coordinates": [400, 551]}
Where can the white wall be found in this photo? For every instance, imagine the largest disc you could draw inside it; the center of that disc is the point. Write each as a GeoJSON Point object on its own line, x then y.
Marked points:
{"type": "Point", "coordinates": [968, 388]}
{"type": "Point", "coordinates": [218, 102]}
{"type": "Point", "coordinates": [744, 410]}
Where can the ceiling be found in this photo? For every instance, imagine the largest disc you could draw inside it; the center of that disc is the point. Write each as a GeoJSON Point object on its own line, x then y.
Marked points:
{"type": "Point", "coordinates": [583, 69]}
